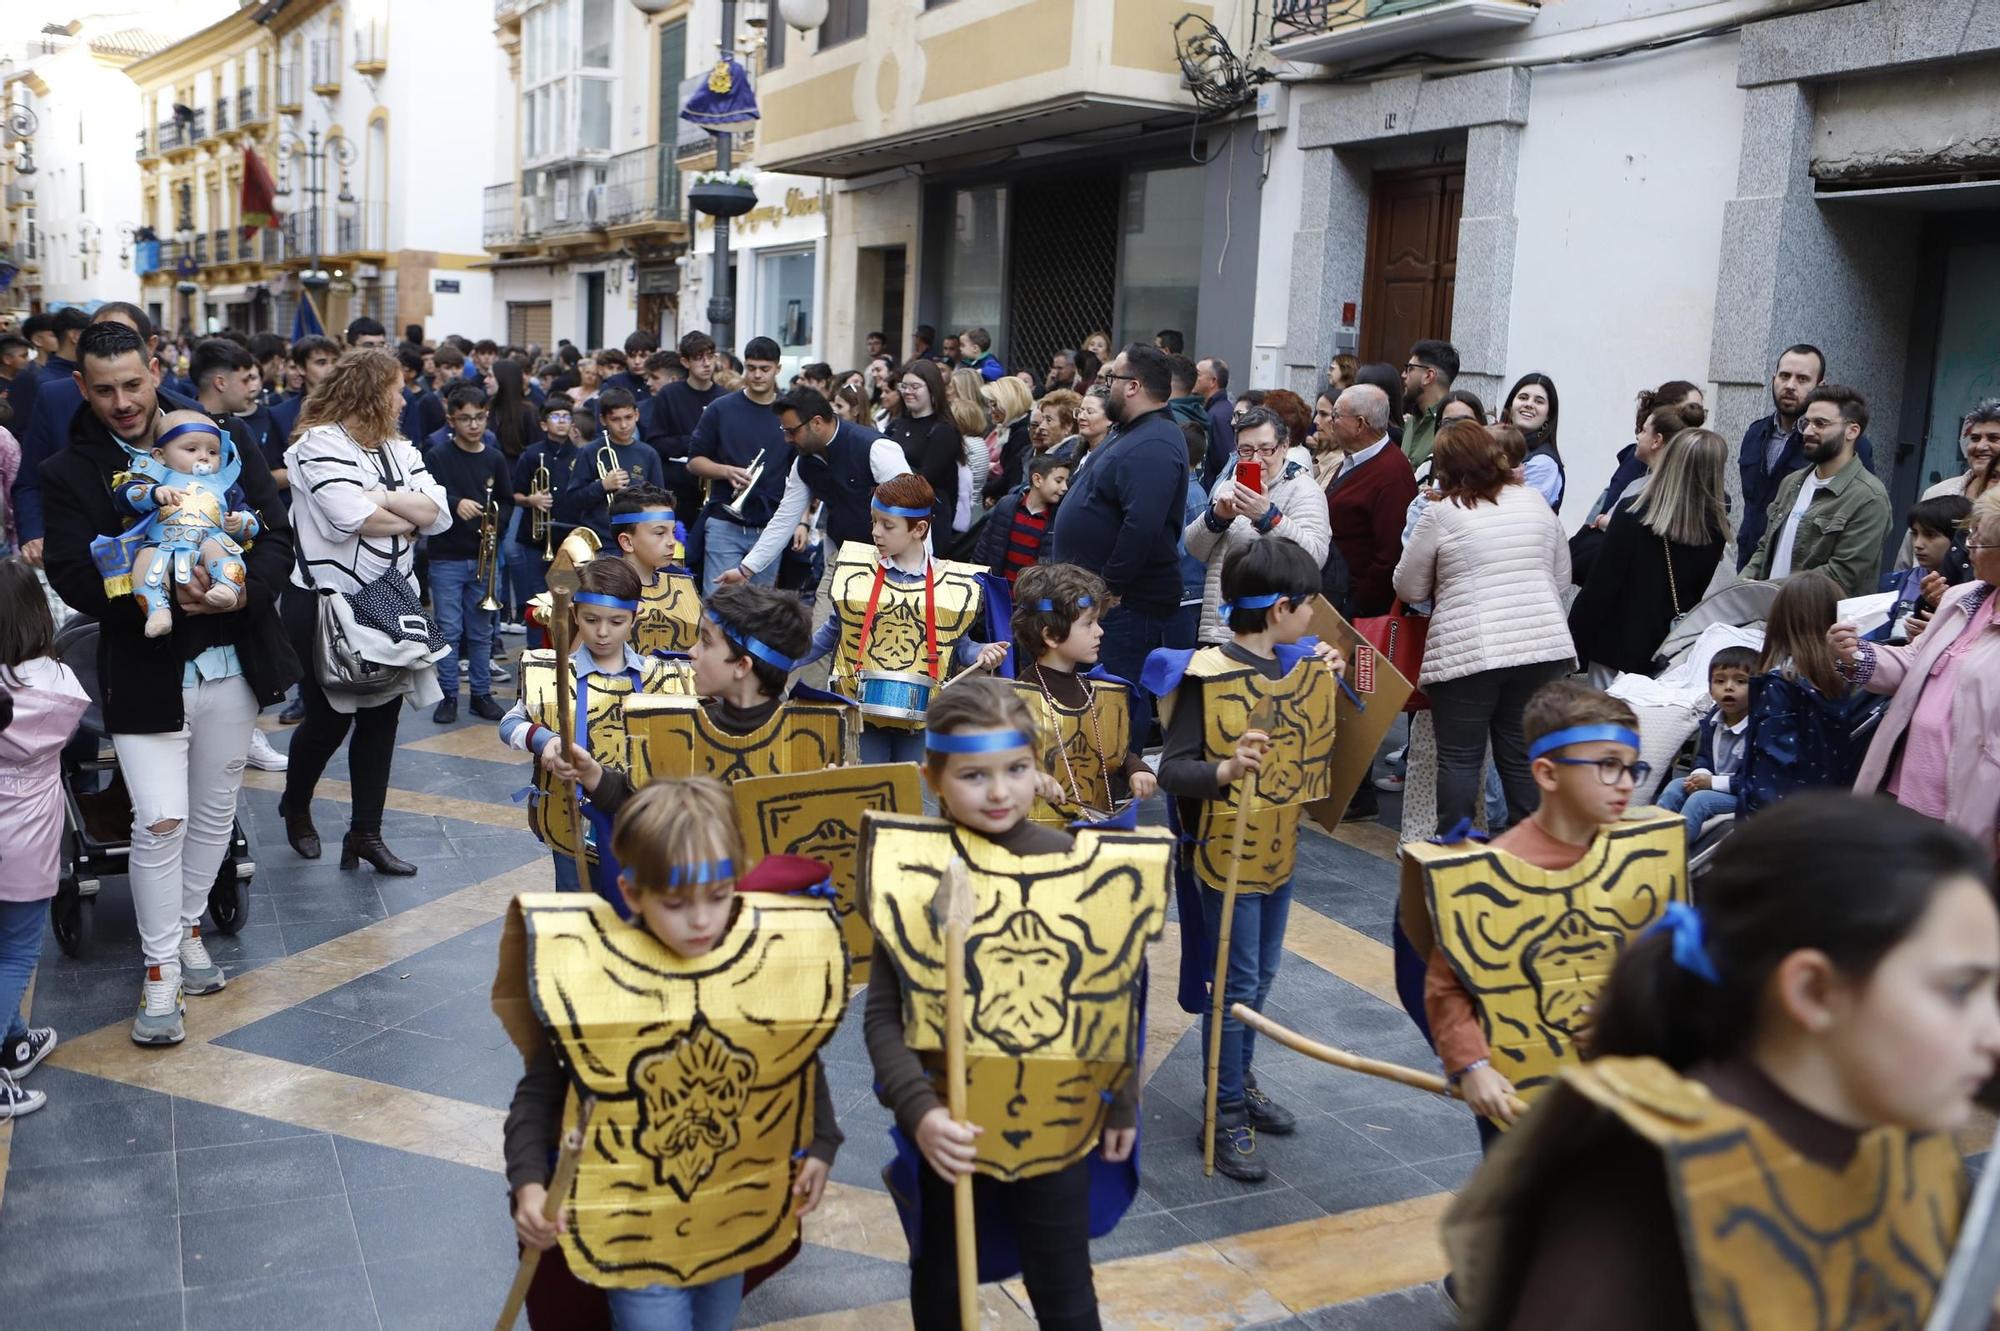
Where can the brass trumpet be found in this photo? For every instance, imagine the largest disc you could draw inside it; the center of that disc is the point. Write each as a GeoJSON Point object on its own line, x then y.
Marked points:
{"type": "Point", "coordinates": [487, 570]}
{"type": "Point", "coordinates": [607, 456]}
{"type": "Point", "coordinates": [756, 471]}
{"type": "Point", "coordinates": [540, 528]}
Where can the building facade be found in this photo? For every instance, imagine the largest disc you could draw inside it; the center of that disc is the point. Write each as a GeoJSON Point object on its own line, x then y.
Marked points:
{"type": "Point", "coordinates": [1620, 192]}
{"type": "Point", "coordinates": [342, 103]}
{"type": "Point", "coordinates": [1034, 167]}
{"type": "Point", "coordinates": [70, 193]}
{"type": "Point", "coordinates": [585, 228]}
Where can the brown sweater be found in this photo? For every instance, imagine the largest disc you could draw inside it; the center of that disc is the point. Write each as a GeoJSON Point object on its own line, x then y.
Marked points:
{"type": "Point", "coordinates": [1607, 1248]}
{"type": "Point", "coordinates": [902, 1082]}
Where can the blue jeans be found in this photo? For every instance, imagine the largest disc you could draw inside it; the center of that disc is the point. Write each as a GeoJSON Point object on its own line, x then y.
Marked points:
{"type": "Point", "coordinates": [524, 576]}
{"type": "Point", "coordinates": [468, 631]}
{"type": "Point", "coordinates": [725, 543]}
{"type": "Point", "coordinates": [1256, 946]}
{"type": "Point", "coordinates": [1694, 806]}
{"type": "Point", "coordinates": [1129, 635]}
{"type": "Point", "coordinates": [710, 1307]}
{"type": "Point", "coordinates": [881, 744]}
{"type": "Point", "coordinates": [566, 879]}
{"type": "Point", "coordinates": [20, 946]}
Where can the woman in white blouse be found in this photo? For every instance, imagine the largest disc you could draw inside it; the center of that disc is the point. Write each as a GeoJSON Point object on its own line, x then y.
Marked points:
{"type": "Point", "coordinates": [361, 496]}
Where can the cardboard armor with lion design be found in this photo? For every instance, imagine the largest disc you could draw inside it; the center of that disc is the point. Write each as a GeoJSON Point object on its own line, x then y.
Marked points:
{"type": "Point", "coordinates": [897, 640]}
{"type": "Point", "coordinates": [701, 1069]}
{"type": "Point", "coordinates": [1769, 1237]}
{"type": "Point", "coordinates": [1083, 745]}
{"type": "Point", "coordinates": [1053, 974]}
{"type": "Point", "coordinates": [1533, 947]}
{"type": "Point", "coordinates": [1297, 711]}
{"type": "Point", "coordinates": [602, 730]}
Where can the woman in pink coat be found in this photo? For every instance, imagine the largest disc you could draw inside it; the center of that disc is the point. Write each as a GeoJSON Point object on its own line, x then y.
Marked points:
{"type": "Point", "coordinates": [1937, 749]}
{"type": "Point", "coordinates": [47, 702]}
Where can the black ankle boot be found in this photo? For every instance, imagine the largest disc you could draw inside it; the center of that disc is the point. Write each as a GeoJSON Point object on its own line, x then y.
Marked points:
{"type": "Point", "coordinates": [299, 830]}
{"type": "Point", "coordinates": [359, 846]}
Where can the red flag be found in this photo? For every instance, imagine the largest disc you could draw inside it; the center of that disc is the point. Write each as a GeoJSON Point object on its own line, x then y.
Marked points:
{"type": "Point", "coordinates": [259, 204]}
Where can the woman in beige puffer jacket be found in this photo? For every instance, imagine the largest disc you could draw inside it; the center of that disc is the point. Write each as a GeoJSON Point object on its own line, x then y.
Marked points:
{"type": "Point", "coordinates": [1297, 512]}
{"type": "Point", "coordinates": [1492, 557]}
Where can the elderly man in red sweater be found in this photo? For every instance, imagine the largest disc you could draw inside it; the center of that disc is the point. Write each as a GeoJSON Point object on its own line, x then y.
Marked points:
{"type": "Point", "coordinates": [1368, 498]}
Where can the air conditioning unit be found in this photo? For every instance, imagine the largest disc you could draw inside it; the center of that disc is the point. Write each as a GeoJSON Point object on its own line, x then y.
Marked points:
{"type": "Point", "coordinates": [367, 272]}
{"type": "Point", "coordinates": [560, 210]}
{"type": "Point", "coordinates": [593, 205]}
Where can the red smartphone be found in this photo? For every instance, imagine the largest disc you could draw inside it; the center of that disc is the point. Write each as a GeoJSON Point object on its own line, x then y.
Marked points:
{"type": "Point", "coordinates": [1250, 475]}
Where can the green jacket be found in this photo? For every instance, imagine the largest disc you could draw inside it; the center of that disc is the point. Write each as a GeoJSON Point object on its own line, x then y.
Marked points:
{"type": "Point", "coordinates": [1841, 533]}
{"type": "Point", "coordinates": [1418, 433]}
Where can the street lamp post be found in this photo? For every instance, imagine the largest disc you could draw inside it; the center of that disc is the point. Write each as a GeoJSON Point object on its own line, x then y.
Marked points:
{"type": "Point", "coordinates": [21, 123]}
{"type": "Point", "coordinates": [313, 155]}
{"type": "Point", "coordinates": [721, 299]}
{"type": "Point", "coordinates": [184, 265]}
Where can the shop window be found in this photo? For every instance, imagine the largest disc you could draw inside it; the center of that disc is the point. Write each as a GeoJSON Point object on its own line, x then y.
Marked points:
{"type": "Point", "coordinates": [1159, 260]}
{"type": "Point", "coordinates": [974, 262]}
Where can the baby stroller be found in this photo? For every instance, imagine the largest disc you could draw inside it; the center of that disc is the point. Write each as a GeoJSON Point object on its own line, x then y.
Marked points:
{"type": "Point", "coordinates": [97, 815]}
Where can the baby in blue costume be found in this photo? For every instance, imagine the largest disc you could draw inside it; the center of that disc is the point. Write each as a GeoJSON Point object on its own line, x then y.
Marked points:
{"type": "Point", "coordinates": [189, 506]}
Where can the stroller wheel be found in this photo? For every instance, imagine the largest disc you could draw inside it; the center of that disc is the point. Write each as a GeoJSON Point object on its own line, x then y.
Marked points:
{"type": "Point", "coordinates": [229, 899]}
{"type": "Point", "coordinates": [71, 917]}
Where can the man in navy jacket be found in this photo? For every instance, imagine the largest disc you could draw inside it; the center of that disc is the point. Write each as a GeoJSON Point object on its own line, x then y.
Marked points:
{"type": "Point", "coordinates": [1123, 515]}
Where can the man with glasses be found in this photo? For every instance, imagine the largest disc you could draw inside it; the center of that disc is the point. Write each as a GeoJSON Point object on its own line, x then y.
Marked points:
{"type": "Point", "coordinates": [839, 464]}
{"type": "Point", "coordinates": [1123, 516]}
{"type": "Point", "coordinates": [1368, 498]}
{"type": "Point", "coordinates": [470, 466]}
{"type": "Point", "coordinates": [1835, 516]}
{"type": "Point", "coordinates": [1285, 503]}
{"type": "Point", "coordinates": [1427, 377]}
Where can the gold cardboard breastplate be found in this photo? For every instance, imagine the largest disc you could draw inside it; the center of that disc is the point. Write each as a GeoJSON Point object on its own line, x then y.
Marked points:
{"type": "Point", "coordinates": [1773, 1239]}
{"type": "Point", "coordinates": [1298, 767]}
{"type": "Point", "coordinates": [1065, 733]}
{"type": "Point", "coordinates": [1533, 947]}
{"type": "Point", "coordinates": [702, 1069]}
{"type": "Point", "coordinates": [1052, 974]}
{"type": "Point", "coordinates": [897, 641]}
{"type": "Point", "coordinates": [603, 733]}
{"type": "Point", "coordinates": [669, 617]}
{"type": "Point", "coordinates": [675, 736]}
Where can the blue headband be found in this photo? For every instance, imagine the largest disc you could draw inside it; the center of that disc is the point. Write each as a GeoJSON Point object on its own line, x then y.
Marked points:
{"type": "Point", "coordinates": [187, 427]}
{"type": "Point", "coordinates": [769, 655]}
{"type": "Point", "coordinates": [1562, 739]}
{"type": "Point", "coordinates": [643, 515]}
{"type": "Point", "coordinates": [608, 602]}
{"type": "Point", "coordinates": [1082, 603]}
{"type": "Point", "coordinates": [913, 514]}
{"type": "Point", "coordinates": [1248, 603]}
{"type": "Point", "coordinates": [691, 875]}
{"type": "Point", "coordinates": [1690, 946]}
{"type": "Point", "coordinates": [992, 741]}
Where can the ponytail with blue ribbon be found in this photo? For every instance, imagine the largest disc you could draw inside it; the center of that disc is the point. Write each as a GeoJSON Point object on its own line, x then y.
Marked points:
{"type": "Point", "coordinates": [1690, 943]}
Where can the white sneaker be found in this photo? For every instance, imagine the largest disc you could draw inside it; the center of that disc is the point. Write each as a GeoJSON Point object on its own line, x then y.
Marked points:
{"type": "Point", "coordinates": [16, 1099]}
{"type": "Point", "coordinates": [514, 628]}
{"type": "Point", "coordinates": [199, 973]}
{"type": "Point", "coordinates": [160, 1007]}
{"type": "Point", "coordinates": [262, 756]}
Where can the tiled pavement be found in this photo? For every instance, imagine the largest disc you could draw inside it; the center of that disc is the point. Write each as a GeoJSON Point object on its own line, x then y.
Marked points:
{"type": "Point", "coordinates": [324, 1151]}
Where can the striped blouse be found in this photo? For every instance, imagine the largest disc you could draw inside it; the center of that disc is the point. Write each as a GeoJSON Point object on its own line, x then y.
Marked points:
{"type": "Point", "coordinates": [330, 474]}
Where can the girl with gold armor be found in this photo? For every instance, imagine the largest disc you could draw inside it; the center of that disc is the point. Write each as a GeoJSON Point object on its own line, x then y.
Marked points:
{"type": "Point", "coordinates": [1052, 1013]}
{"type": "Point", "coordinates": [1760, 1133]}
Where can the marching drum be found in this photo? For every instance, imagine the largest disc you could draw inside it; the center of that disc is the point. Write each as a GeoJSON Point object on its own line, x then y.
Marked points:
{"type": "Point", "coordinates": [895, 694]}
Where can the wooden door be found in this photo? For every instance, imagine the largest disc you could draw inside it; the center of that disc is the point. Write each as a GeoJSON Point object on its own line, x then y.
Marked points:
{"type": "Point", "coordinates": [1412, 263]}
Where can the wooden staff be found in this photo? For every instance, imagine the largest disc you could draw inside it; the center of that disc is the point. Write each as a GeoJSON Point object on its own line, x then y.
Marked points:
{"type": "Point", "coordinates": [951, 909]}
{"type": "Point", "coordinates": [1340, 1058]}
{"type": "Point", "coordinates": [1222, 966]}
{"type": "Point", "coordinates": [552, 1209]}
{"type": "Point", "coordinates": [562, 583]}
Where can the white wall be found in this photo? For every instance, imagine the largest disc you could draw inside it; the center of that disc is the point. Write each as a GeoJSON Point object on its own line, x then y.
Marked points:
{"type": "Point", "coordinates": [83, 154]}
{"type": "Point", "coordinates": [443, 67]}
{"type": "Point", "coordinates": [1624, 170]}
{"type": "Point", "coordinates": [1280, 203]}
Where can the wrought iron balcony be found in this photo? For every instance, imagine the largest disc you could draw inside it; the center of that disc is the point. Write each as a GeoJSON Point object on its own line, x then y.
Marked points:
{"type": "Point", "coordinates": [271, 245]}
{"type": "Point", "coordinates": [323, 59]}
{"type": "Point", "coordinates": [221, 115]}
{"type": "Point", "coordinates": [642, 186]}
{"type": "Point", "coordinates": [249, 107]}
{"type": "Point", "coordinates": [1340, 31]}
{"type": "Point", "coordinates": [363, 233]}
{"type": "Point", "coordinates": [291, 86]}
{"type": "Point", "coordinates": [502, 216]}
{"type": "Point", "coordinates": [201, 250]}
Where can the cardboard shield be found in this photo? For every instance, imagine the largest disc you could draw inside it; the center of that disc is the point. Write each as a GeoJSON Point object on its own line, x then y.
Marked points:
{"type": "Point", "coordinates": [674, 736]}
{"type": "Point", "coordinates": [1080, 748]}
{"type": "Point", "coordinates": [1298, 767]}
{"type": "Point", "coordinates": [702, 1069]}
{"type": "Point", "coordinates": [669, 613]}
{"type": "Point", "coordinates": [1053, 973]}
{"type": "Point", "coordinates": [897, 639]}
{"type": "Point", "coordinates": [1381, 691]}
{"type": "Point", "coordinates": [603, 730]}
{"type": "Point", "coordinates": [818, 815]}
{"type": "Point", "coordinates": [1534, 946]}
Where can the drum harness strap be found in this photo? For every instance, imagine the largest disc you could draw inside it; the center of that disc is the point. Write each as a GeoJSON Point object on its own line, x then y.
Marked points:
{"type": "Point", "coordinates": [930, 616]}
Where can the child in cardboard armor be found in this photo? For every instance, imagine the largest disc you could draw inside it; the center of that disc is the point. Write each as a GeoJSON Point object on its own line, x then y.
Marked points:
{"type": "Point", "coordinates": [1760, 1134]}
{"type": "Point", "coordinates": [187, 506]}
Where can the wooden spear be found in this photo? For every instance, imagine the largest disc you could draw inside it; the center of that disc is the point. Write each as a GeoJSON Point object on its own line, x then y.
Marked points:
{"type": "Point", "coordinates": [951, 912]}
{"type": "Point", "coordinates": [552, 1209]}
{"type": "Point", "coordinates": [1340, 1058]}
{"type": "Point", "coordinates": [563, 582]}
{"type": "Point", "coordinates": [1249, 785]}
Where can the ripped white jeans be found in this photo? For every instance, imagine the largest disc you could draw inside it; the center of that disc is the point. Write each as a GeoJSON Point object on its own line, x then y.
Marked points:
{"type": "Point", "coordinates": [189, 778]}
